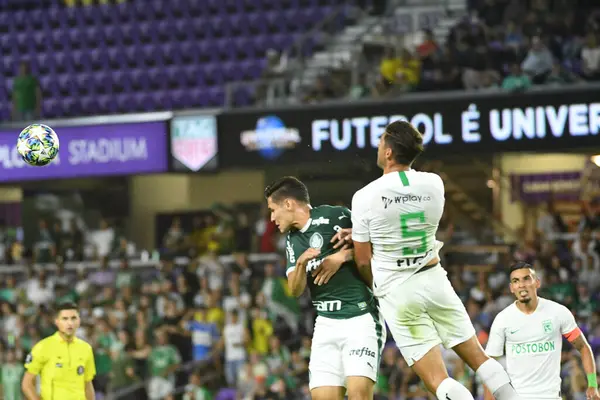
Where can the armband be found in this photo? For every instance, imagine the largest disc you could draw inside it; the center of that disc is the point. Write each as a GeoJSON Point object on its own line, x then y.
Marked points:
{"type": "Point", "coordinates": [592, 381]}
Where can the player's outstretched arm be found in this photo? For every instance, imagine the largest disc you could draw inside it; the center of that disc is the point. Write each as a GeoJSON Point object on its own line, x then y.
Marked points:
{"type": "Point", "coordinates": [297, 276]}
{"type": "Point", "coordinates": [28, 386]}
{"type": "Point", "coordinates": [589, 365]}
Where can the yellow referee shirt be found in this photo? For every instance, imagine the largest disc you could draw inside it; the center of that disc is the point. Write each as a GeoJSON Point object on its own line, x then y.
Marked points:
{"type": "Point", "coordinates": [63, 366]}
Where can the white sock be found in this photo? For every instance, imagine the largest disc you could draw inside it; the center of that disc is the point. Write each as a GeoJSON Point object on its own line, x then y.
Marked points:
{"type": "Point", "coordinates": [450, 389]}
{"type": "Point", "coordinates": [496, 379]}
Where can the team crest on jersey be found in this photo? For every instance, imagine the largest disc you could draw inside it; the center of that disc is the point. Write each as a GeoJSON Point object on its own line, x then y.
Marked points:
{"type": "Point", "coordinates": [28, 359]}
{"type": "Point", "coordinates": [316, 241]}
{"type": "Point", "coordinates": [80, 370]}
{"type": "Point", "coordinates": [547, 326]}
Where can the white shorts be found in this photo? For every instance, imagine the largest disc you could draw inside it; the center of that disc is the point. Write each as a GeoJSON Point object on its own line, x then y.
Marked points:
{"type": "Point", "coordinates": [425, 311]}
{"type": "Point", "coordinates": [345, 347]}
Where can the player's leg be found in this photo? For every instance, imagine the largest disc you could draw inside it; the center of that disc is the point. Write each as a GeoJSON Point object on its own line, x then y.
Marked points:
{"type": "Point", "coordinates": [490, 371]}
{"type": "Point", "coordinates": [325, 368]}
{"type": "Point", "coordinates": [404, 310]}
{"type": "Point", "coordinates": [454, 327]}
{"type": "Point", "coordinates": [361, 354]}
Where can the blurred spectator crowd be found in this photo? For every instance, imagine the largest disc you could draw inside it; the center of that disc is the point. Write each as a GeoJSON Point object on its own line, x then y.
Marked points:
{"type": "Point", "coordinates": [501, 45]}
{"type": "Point", "coordinates": [220, 324]}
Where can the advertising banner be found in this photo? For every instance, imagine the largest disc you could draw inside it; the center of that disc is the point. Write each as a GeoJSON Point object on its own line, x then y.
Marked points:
{"type": "Point", "coordinates": [450, 123]}
{"type": "Point", "coordinates": [559, 186]}
{"type": "Point", "coordinates": [194, 145]}
{"type": "Point", "coordinates": [87, 151]}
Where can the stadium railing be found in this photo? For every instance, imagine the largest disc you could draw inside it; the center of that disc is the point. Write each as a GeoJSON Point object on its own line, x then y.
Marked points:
{"type": "Point", "coordinates": [92, 265]}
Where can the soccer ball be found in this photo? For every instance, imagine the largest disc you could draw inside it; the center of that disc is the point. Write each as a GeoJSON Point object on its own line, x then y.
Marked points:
{"type": "Point", "coordinates": [38, 145]}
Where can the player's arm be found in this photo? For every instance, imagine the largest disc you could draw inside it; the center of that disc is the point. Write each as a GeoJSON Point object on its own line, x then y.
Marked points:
{"type": "Point", "coordinates": [361, 239]}
{"type": "Point", "coordinates": [587, 359]}
{"type": "Point", "coordinates": [495, 348]}
{"type": "Point", "coordinates": [33, 366]}
{"type": "Point", "coordinates": [296, 268]}
{"type": "Point", "coordinates": [573, 334]}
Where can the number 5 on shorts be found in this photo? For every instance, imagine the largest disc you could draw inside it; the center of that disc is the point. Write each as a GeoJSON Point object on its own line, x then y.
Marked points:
{"type": "Point", "coordinates": [408, 233]}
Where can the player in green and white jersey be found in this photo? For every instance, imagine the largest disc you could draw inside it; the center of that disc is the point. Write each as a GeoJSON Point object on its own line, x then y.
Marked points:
{"type": "Point", "coordinates": [530, 333]}
{"type": "Point", "coordinates": [348, 335]}
{"type": "Point", "coordinates": [394, 224]}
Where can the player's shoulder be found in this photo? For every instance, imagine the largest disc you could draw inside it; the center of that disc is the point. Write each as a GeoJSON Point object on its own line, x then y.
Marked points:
{"type": "Point", "coordinates": [506, 315]}
{"type": "Point", "coordinates": [426, 178]}
{"type": "Point", "coordinates": [552, 307]}
{"type": "Point", "coordinates": [84, 345]}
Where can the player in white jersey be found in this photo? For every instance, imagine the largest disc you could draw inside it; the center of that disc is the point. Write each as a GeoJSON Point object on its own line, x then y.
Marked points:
{"type": "Point", "coordinates": [530, 333]}
{"type": "Point", "coordinates": [394, 222]}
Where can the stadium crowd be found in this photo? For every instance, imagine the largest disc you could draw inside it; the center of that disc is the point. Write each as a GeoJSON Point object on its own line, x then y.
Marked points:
{"type": "Point", "coordinates": [501, 45]}
{"type": "Point", "coordinates": [192, 328]}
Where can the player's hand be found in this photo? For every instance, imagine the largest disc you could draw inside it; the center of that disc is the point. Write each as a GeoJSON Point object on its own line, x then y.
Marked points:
{"type": "Point", "coordinates": [592, 394]}
{"type": "Point", "coordinates": [308, 255]}
{"type": "Point", "coordinates": [330, 265]}
{"type": "Point", "coordinates": [342, 237]}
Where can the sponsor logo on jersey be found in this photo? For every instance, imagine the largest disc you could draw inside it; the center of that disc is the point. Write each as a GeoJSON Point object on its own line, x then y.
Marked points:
{"type": "Point", "coordinates": [363, 352]}
{"type": "Point", "coordinates": [290, 252]}
{"type": "Point", "coordinates": [80, 370]}
{"type": "Point", "coordinates": [320, 221]}
{"type": "Point", "coordinates": [533, 348]}
{"type": "Point", "coordinates": [316, 241]}
{"type": "Point", "coordinates": [331, 305]}
{"type": "Point", "coordinates": [407, 198]}
{"type": "Point", "coordinates": [58, 365]}
{"type": "Point", "coordinates": [547, 325]}
{"type": "Point", "coordinates": [28, 359]}
{"type": "Point", "coordinates": [362, 305]}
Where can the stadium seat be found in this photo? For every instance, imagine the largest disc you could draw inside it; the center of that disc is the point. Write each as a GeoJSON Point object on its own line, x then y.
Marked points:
{"type": "Point", "coordinates": [150, 45]}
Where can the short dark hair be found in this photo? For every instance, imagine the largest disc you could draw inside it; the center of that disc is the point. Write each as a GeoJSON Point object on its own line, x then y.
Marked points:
{"type": "Point", "coordinates": [67, 305]}
{"type": "Point", "coordinates": [405, 141]}
{"type": "Point", "coordinates": [287, 187]}
{"type": "Point", "coordinates": [520, 265]}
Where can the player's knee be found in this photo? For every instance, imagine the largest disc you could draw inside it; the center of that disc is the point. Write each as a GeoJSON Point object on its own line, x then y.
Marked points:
{"type": "Point", "coordinates": [327, 393]}
{"type": "Point", "coordinates": [359, 388]}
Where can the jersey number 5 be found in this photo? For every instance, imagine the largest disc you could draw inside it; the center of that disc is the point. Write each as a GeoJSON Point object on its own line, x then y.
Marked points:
{"type": "Point", "coordinates": [408, 233]}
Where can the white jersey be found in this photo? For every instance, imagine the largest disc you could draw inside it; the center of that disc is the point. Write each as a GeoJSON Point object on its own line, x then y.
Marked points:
{"type": "Point", "coordinates": [532, 344]}
{"type": "Point", "coordinates": [399, 214]}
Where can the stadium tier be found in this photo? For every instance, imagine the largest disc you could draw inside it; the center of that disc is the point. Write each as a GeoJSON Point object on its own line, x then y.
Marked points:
{"type": "Point", "coordinates": [146, 56]}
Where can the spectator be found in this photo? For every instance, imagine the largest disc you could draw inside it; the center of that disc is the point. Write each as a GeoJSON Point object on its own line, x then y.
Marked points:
{"type": "Point", "coordinates": [45, 248]}
{"type": "Point", "coordinates": [195, 390]}
{"type": "Point", "coordinates": [174, 241]}
{"type": "Point", "coordinates": [204, 334]}
{"type": "Point", "coordinates": [243, 234]}
{"type": "Point", "coordinates": [102, 240]}
{"type": "Point", "coordinates": [538, 62]}
{"type": "Point", "coordinates": [11, 372]}
{"type": "Point", "coordinates": [235, 339]}
{"type": "Point", "coordinates": [408, 71]}
{"type": "Point", "coordinates": [559, 76]}
{"type": "Point", "coordinates": [516, 81]}
{"type": "Point", "coordinates": [163, 361]}
{"type": "Point", "coordinates": [26, 95]}
{"type": "Point", "coordinates": [590, 56]}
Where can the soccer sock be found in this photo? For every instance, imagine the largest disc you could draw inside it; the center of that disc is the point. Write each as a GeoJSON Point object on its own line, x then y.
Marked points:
{"type": "Point", "coordinates": [450, 389]}
{"type": "Point", "coordinates": [497, 381]}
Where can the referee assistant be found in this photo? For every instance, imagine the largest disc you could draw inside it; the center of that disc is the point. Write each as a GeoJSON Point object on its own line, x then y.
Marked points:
{"type": "Point", "coordinates": [65, 363]}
